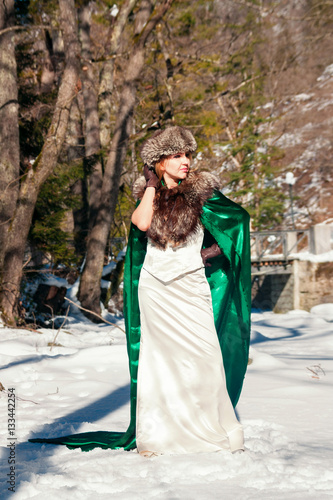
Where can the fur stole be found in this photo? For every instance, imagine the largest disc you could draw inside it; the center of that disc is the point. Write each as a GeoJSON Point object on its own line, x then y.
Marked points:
{"type": "Point", "coordinates": [177, 211]}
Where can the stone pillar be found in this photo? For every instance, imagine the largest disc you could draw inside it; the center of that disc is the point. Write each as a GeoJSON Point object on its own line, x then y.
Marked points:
{"type": "Point", "coordinates": [296, 271]}
{"type": "Point", "coordinates": [291, 242]}
{"type": "Point", "coordinates": [320, 238]}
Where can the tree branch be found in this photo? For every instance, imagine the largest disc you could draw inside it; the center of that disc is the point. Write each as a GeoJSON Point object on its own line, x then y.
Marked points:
{"type": "Point", "coordinates": [95, 314]}
{"type": "Point", "coordinates": [23, 28]}
{"type": "Point", "coordinates": [152, 22]}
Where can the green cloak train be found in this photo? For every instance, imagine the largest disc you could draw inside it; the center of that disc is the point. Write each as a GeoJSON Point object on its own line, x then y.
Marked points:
{"type": "Point", "coordinates": [229, 278]}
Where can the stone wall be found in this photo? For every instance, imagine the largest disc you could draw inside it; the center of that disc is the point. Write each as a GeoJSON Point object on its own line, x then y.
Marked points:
{"type": "Point", "coordinates": [273, 292]}
{"type": "Point", "coordinates": [301, 286]}
{"type": "Point", "coordinates": [313, 284]}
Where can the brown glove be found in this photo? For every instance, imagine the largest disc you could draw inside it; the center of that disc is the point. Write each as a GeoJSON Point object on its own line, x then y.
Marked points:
{"type": "Point", "coordinates": [150, 176]}
{"type": "Point", "coordinates": [209, 253]}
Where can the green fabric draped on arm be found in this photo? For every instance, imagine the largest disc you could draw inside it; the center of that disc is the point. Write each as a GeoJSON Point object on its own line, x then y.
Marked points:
{"type": "Point", "coordinates": [229, 278]}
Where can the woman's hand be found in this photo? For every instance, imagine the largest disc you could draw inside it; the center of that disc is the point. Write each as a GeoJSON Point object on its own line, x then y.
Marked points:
{"type": "Point", "coordinates": [150, 176]}
{"type": "Point", "coordinates": [143, 214]}
{"type": "Point", "coordinates": [209, 253]}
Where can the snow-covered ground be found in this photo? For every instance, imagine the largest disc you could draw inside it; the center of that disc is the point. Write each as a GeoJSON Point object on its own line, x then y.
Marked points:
{"type": "Point", "coordinates": [83, 385]}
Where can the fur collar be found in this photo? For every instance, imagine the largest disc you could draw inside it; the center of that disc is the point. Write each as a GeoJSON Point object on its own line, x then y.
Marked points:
{"type": "Point", "coordinates": [177, 211]}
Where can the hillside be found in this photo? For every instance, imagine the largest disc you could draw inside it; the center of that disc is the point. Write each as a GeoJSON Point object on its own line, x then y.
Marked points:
{"type": "Point", "coordinates": [304, 132]}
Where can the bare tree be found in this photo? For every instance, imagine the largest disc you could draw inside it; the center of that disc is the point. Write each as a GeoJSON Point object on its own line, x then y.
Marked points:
{"type": "Point", "coordinates": [9, 129]}
{"type": "Point", "coordinates": [90, 99]}
{"type": "Point", "coordinates": [107, 74]}
{"type": "Point", "coordinates": [33, 179]}
{"type": "Point", "coordinates": [89, 293]}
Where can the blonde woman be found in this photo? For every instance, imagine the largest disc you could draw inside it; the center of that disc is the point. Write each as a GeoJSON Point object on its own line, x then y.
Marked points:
{"type": "Point", "coordinates": [183, 405]}
{"type": "Point", "coordinates": [187, 294]}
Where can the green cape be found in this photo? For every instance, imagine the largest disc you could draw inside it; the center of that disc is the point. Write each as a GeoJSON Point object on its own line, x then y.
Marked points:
{"type": "Point", "coordinates": [229, 278]}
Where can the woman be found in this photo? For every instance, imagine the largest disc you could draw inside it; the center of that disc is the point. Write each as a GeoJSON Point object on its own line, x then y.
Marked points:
{"type": "Point", "coordinates": [182, 392]}
{"type": "Point", "coordinates": [182, 400]}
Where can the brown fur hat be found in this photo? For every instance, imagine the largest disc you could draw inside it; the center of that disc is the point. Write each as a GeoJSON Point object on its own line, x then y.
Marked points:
{"type": "Point", "coordinates": [167, 142]}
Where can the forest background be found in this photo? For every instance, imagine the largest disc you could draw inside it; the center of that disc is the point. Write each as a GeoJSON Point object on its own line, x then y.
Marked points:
{"type": "Point", "coordinates": [83, 84]}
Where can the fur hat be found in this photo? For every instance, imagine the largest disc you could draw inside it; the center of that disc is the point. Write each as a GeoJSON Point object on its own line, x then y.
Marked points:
{"type": "Point", "coordinates": [167, 142]}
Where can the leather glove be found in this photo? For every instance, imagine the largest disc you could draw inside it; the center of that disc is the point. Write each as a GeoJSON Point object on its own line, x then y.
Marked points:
{"type": "Point", "coordinates": [150, 176]}
{"type": "Point", "coordinates": [209, 253]}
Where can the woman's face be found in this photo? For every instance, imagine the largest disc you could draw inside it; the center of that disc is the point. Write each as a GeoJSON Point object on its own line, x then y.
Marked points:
{"type": "Point", "coordinates": [175, 168]}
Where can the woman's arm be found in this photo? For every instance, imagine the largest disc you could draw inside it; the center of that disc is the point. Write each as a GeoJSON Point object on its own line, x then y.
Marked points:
{"type": "Point", "coordinates": [143, 214]}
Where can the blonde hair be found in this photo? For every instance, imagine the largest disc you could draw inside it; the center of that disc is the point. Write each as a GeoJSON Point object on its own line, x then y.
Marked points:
{"type": "Point", "coordinates": [158, 168]}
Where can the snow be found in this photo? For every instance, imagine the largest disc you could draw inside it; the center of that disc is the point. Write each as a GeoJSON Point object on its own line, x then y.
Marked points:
{"type": "Point", "coordinates": [71, 294]}
{"type": "Point", "coordinates": [322, 257]}
{"type": "Point", "coordinates": [303, 255]}
{"type": "Point", "coordinates": [324, 311]}
{"type": "Point", "coordinates": [105, 284]}
{"type": "Point", "coordinates": [328, 73]}
{"type": "Point", "coordinates": [114, 10]}
{"type": "Point", "coordinates": [108, 268]}
{"type": "Point", "coordinates": [121, 255]}
{"type": "Point", "coordinates": [52, 280]}
{"type": "Point", "coordinates": [83, 385]}
{"type": "Point", "coordinates": [289, 140]}
{"type": "Point", "coordinates": [268, 105]}
{"type": "Point", "coordinates": [302, 97]}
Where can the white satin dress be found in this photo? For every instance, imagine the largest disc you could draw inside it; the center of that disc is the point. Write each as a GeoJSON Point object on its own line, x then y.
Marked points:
{"type": "Point", "coordinates": [182, 402]}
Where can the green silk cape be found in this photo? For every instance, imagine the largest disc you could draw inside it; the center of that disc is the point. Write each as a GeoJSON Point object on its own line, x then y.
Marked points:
{"type": "Point", "coordinates": [229, 278]}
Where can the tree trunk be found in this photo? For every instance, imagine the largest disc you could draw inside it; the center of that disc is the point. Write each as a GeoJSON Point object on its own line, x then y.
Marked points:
{"type": "Point", "coordinates": [89, 91]}
{"type": "Point", "coordinates": [9, 130]}
{"type": "Point", "coordinates": [169, 75]}
{"type": "Point", "coordinates": [44, 165]}
{"type": "Point", "coordinates": [107, 73]}
{"type": "Point", "coordinates": [89, 292]}
{"type": "Point", "coordinates": [75, 153]}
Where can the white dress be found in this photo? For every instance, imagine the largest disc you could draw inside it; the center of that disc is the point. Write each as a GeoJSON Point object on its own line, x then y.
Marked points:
{"type": "Point", "coordinates": [182, 400]}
